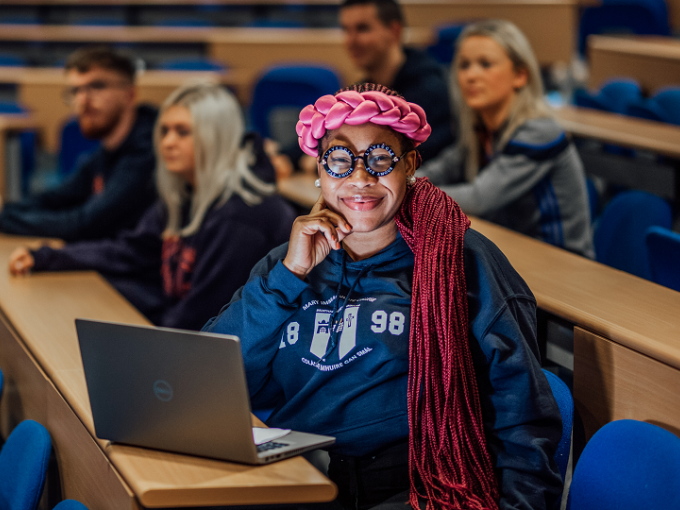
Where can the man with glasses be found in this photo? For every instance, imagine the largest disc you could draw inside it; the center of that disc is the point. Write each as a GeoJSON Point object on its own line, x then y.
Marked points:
{"type": "Point", "coordinates": [111, 187]}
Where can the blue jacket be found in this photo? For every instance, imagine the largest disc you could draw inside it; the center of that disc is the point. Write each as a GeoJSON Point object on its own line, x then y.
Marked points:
{"type": "Point", "coordinates": [107, 193]}
{"type": "Point", "coordinates": [353, 384]}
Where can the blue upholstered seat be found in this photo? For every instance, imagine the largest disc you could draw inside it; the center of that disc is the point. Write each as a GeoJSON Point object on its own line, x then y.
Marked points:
{"type": "Point", "coordinates": [628, 465]}
{"type": "Point", "coordinates": [23, 466]}
{"type": "Point", "coordinates": [289, 86]}
{"type": "Point", "coordinates": [620, 232]}
{"type": "Point", "coordinates": [663, 252]}
{"type": "Point", "coordinates": [70, 504]}
{"type": "Point", "coordinates": [566, 404]}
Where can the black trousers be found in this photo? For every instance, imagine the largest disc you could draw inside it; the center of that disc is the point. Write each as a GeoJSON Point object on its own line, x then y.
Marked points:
{"type": "Point", "coordinates": [379, 481]}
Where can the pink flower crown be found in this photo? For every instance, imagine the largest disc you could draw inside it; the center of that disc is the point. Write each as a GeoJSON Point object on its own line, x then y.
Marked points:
{"type": "Point", "coordinates": [354, 108]}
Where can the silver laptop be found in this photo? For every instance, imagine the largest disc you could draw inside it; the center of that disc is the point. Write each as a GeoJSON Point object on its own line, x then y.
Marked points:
{"type": "Point", "coordinates": [176, 390]}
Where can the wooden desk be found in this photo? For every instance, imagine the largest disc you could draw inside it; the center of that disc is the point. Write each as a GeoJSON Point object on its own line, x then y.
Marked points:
{"type": "Point", "coordinates": [550, 25]}
{"type": "Point", "coordinates": [626, 343]}
{"type": "Point", "coordinates": [244, 50]}
{"type": "Point", "coordinates": [657, 137]}
{"type": "Point", "coordinates": [44, 380]}
{"type": "Point", "coordinates": [10, 166]}
{"type": "Point", "coordinates": [40, 90]}
{"type": "Point", "coordinates": [653, 61]}
{"type": "Point", "coordinates": [664, 139]}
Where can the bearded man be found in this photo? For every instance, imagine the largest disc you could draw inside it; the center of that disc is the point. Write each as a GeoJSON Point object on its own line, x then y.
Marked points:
{"type": "Point", "coordinates": [112, 186]}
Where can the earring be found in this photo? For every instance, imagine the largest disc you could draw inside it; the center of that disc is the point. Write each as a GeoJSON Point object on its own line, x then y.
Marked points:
{"type": "Point", "coordinates": [317, 183]}
{"type": "Point", "coordinates": [410, 180]}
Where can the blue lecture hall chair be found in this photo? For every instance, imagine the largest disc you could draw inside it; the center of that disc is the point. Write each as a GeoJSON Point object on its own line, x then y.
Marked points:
{"type": "Point", "coordinates": [663, 253]}
{"type": "Point", "coordinates": [23, 466]}
{"type": "Point", "coordinates": [442, 51]}
{"type": "Point", "coordinates": [593, 199]}
{"type": "Point", "coordinates": [73, 145]}
{"type": "Point", "coordinates": [289, 86]}
{"type": "Point", "coordinates": [627, 465]}
{"type": "Point", "coordinates": [614, 96]}
{"type": "Point", "coordinates": [11, 60]}
{"type": "Point", "coordinates": [642, 17]}
{"type": "Point", "coordinates": [663, 106]}
{"type": "Point", "coordinates": [70, 504]}
{"type": "Point", "coordinates": [565, 402]}
{"type": "Point", "coordinates": [193, 64]}
{"type": "Point", "coordinates": [28, 144]}
{"type": "Point", "coordinates": [185, 21]}
{"type": "Point", "coordinates": [619, 237]}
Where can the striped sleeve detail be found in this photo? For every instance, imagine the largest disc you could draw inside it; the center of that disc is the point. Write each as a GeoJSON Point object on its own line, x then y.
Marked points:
{"type": "Point", "coordinates": [551, 219]}
{"type": "Point", "coordinates": [537, 152]}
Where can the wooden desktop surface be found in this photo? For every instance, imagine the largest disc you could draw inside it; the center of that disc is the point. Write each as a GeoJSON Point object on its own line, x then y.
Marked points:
{"type": "Point", "coordinates": [651, 60]}
{"type": "Point", "coordinates": [658, 137]}
{"type": "Point", "coordinates": [41, 310]}
{"type": "Point", "coordinates": [41, 89]}
{"type": "Point", "coordinates": [628, 310]}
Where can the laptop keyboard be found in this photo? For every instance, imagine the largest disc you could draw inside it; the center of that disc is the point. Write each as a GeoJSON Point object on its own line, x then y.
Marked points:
{"type": "Point", "coordinates": [271, 445]}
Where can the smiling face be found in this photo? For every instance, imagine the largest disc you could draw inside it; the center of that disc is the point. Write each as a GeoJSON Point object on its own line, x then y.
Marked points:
{"type": "Point", "coordinates": [99, 97]}
{"type": "Point", "coordinates": [367, 202]}
{"type": "Point", "coordinates": [176, 142]}
{"type": "Point", "coordinates": [487, 77]}
{"type": "Point", "coordinates": [367, 39]}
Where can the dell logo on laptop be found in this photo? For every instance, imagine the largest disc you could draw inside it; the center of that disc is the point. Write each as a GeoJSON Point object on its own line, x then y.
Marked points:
{"type": "Point", "coordinates": [162, 390]}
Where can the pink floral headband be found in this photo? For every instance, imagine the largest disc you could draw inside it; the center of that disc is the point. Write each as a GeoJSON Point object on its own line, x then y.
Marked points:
{"type": "Point", "coordinates": [355, 108]}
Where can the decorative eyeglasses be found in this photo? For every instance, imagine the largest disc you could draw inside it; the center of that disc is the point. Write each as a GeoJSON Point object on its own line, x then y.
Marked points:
{"type": "Point", "coordinates": [379, 160]}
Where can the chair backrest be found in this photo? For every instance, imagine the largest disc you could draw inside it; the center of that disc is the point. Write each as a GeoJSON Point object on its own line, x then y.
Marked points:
{"type": "Point", "coordinates": [618, 94]}
{"type": "Point", "coordinates": [70, 504]}
{"type": "Point", "coordinates": [27, 143]}
{"type": "Point", "coordinates": [73, 145]}
{"type": "Point", "coordinates": [642, 17]}
{"type": "Point", "coordinates": [10, 60]}
{"type": "Point", "coordinates": [442, 51]}
{"type": "Point", "coordinates": [619, 237]}
{"type": "Point", "coordinates": [23, 466]}
{"type": "Point", "coordinates": [668, 101]}
{"type": "Point", "coordinates": [565, 402]}
{"type": "Point", "coordinates": [291, 87]}
{"type": "Point", "coordinates": [663, 252]}
{"type": "Point", "coordinates": [627, 465]}
{"type": "Point", "coordinates": [193, 64]}
{"type": "Point", "coordinates": [593, 199]}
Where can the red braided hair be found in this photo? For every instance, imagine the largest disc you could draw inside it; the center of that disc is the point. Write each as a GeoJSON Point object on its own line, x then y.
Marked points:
{"type": "Point", "coordinates": [447, 446]}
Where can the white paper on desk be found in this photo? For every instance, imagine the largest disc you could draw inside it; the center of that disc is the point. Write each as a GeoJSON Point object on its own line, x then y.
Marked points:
{"type": "Point", "coordinates": [262, 435]}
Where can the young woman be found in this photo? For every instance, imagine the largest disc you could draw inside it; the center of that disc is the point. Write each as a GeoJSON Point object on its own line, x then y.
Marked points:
{"type": "Point", "coordinates": [513, 165]}
{"type": "Point", "coordinates": [216, 217]}
{"type": "Point", "coordinates": [387, 323]}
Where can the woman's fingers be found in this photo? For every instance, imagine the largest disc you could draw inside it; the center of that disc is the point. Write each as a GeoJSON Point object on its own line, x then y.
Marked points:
{"type": "Point", "coordinates": [20, 262]}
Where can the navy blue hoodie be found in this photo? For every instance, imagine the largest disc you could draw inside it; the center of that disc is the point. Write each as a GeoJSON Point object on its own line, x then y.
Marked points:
{"type": "Point", "coordinates": [108, 192]}
{"type": "Point", "coordinates": [352, 384]}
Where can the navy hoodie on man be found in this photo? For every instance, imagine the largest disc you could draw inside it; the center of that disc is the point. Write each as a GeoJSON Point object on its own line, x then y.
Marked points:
{"type": "Point", "coordinates": [182, 282]}
{"type": "Point", "coordinates": [350, 381]}
{"type": "Point", "coordinates": [107, 193]}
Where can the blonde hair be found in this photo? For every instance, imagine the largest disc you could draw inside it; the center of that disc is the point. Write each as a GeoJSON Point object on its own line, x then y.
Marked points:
{"type": "Point", "coordinates": [528, 103]}
{"type": "Point", "coordinates": [222, 165]}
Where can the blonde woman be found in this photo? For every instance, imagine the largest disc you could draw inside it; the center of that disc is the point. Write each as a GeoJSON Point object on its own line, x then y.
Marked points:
{"type": "Point", "coordinates": [513, 164]}
{"type": "Point", "coordinates": [216, 217]}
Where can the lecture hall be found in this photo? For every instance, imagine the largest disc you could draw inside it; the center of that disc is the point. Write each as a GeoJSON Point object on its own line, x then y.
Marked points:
{"type": "Point", "coordinates": [495, 183]}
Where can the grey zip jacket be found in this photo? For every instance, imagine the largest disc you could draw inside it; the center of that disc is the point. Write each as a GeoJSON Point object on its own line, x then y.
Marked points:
{"type": "Point", "coordinates": [534, 185]}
